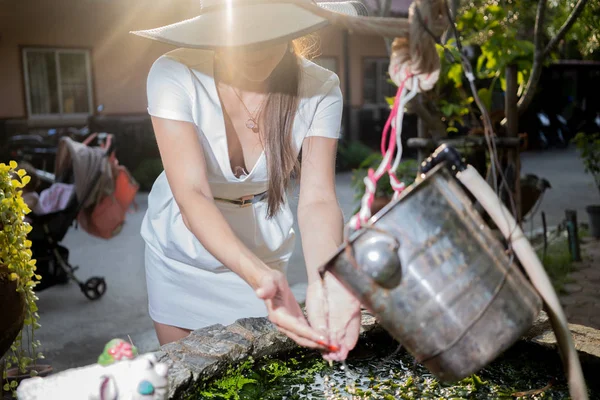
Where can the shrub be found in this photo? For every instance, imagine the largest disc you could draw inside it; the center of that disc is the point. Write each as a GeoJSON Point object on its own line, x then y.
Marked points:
{"type": "Point", "coordinates": [147, 172]}
{"type": "Point", "coordinates": [589, 147]}
{"type": "Point", "coordinates": [352, 154]}
{"type": "Point", "coordinates": [15, 254]}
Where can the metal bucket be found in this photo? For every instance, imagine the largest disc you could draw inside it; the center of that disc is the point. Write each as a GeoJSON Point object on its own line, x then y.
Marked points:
{"type": "Point", "coordinates": [437, 279]}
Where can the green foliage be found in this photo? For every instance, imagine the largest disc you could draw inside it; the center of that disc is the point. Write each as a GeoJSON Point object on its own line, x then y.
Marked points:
{"type": "Point", "coordinates": [268, 379]}
{"type": "Point", "coordinates": [557, 260]}
{"type": "Point", "coordinates": [589, 147]}
{"type": "Point", "coordinates": [502, 30]}
{"type": "Point", "coordinates": [352, 154]}
{"type": "Point", "coordinates": [487, 27]}
{"type": "Point", "coordinates": [379, 372]}
{"type": "Point", "coordinates": [15, 254]}
{"type": "Point", "coordinates": [147, 172]}
{"type": "Point", "coordinates": [406, 172]}
{"type": "Point", "coordinates": [520, 16]}
{"type": "Point", "coordinates": [450, 96]}
{"type": "Point", "coordinates": [585, 32]}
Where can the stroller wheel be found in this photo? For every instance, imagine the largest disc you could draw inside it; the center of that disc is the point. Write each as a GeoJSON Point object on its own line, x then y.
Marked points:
{"type": "Point", "coordinates": [94, 288]}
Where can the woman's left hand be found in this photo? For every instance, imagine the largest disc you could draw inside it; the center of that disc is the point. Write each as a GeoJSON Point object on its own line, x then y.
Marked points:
{"type": "Point", "coordinates": [335, 312]}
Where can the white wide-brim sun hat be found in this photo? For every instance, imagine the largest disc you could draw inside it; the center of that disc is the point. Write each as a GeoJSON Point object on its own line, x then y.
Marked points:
{"type": "Point", "coordinates": [233, 23]}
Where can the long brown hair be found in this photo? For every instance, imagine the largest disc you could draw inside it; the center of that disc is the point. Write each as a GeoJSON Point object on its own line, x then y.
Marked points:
{"type": "Point", "coordinates": [278, 119]}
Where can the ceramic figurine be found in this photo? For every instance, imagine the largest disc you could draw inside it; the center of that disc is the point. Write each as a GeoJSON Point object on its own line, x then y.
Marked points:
{"type": "Point", "coordinates": [140, 378]}
{"type": "Point", "coordinates": [143, 379]}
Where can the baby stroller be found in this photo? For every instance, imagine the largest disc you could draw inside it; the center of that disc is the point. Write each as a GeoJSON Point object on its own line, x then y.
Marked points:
{"type": "Point", "coordinates": [50, 229]}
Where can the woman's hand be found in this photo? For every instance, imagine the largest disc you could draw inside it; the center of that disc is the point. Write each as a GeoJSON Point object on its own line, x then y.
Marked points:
{"type": "Point", "coordinates": [334, 311]}
{"type": "Point", "coordinates": [285, 313]}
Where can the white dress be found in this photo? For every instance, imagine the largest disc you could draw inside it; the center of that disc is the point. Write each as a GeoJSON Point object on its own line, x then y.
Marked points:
{"type": "Point", "coordinates": [187, 286]}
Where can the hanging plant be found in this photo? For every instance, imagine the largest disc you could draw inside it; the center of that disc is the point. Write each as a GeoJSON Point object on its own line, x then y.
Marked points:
{"type": "Point", "coordinates": [19, 269]}
{"type": "Point", "coordinates": [406, 172]}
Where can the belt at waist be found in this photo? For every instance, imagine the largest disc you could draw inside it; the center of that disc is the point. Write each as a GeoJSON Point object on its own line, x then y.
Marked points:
{"type": "Point", "coordinates": [245, 201]}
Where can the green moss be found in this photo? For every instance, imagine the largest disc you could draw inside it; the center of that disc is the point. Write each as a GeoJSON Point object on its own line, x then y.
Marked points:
{"type": "Point", "coordinates": [377, 375]}
{"type": "Point", "coordinates": [557, 260]}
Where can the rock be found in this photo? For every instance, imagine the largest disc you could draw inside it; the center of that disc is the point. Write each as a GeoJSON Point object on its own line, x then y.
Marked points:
{"type": "Point", "coordinates": [218, 342]}
{"type": "Point", "coordinates": [267, 340]}
{"type": "Point", "coordinates": [540, 325]}
{"type": "Point", "coordinates": [368, 322]}
{"type": "Point", "coordinates": [586, 339]}
{"type": "Point", "coordinates": [206, 352]}
{"type": "Point", "coordinates": [572, 288]}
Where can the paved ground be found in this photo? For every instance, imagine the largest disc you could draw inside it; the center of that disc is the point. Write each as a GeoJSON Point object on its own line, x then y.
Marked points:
{"type": "Point", "coordinates": [582, 301]}
{"type": "Point", "coordinates": [74, 330]}
{"type": "Point", "coordinates": [572, 188]}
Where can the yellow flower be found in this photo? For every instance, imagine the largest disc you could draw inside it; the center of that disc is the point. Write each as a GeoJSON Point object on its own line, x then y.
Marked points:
{"type": "Point", "coordinates": [13, 164]}
{"type": "Point", "coordinates": [14, 276]}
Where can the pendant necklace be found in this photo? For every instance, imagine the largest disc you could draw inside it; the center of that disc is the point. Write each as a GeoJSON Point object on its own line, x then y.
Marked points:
{"type": "Point", "coordinates": [252, 122]}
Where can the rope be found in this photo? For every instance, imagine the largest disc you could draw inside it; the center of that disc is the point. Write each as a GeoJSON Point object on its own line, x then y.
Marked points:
{"type": "Point", "coordinates": [414, 67]}
{"type": "Point", "coordinates": [416, 55]}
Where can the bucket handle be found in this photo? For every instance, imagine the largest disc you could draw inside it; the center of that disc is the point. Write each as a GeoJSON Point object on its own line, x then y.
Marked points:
{"type": "Point", "coordinates": [503, 219]}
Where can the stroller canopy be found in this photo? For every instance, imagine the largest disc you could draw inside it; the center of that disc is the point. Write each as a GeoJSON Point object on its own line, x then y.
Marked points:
{"type": "Point", "coordinates": [91, 169]}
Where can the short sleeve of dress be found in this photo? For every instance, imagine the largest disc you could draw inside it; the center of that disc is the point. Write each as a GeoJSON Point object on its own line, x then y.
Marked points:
{"type": "Point", "coordinates": [328, 117]}
{"type": "Point", "coordinates": [170, 91]}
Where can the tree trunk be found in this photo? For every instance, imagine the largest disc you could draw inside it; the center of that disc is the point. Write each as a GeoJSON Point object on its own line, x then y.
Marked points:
{"type": "Point", "coordinates": [540, 53]}
{"type": "Point", "coordinates": [512, 130]}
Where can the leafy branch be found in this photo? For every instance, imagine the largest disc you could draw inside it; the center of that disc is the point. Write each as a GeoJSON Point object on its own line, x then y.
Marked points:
{"type": "Point", "coordinates": [541, 52]}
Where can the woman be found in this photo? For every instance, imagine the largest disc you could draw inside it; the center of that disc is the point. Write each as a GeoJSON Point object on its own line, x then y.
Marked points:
{"type": "Point", "coordinates": [230, 118]}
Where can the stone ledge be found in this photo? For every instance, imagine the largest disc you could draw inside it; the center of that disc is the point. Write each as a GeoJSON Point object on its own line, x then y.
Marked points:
{"type": "Point", "coordinates": [587, 339]}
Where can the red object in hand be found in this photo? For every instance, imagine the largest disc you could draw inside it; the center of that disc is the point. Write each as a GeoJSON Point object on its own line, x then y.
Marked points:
{"type": "Point", "coordinates": [330, 347]}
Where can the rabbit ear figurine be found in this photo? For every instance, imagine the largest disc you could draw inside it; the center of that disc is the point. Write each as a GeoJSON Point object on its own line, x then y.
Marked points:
{"type": "Point", "coordinates": [107, 388]}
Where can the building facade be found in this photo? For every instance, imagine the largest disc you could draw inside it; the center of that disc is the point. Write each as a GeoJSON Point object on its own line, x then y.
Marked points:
{"type": "Point", "coordinates": [62, 61]}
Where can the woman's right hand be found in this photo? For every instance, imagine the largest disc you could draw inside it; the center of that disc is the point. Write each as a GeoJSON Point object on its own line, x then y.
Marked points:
{"type": "Point", "coordinates": [285, 312]}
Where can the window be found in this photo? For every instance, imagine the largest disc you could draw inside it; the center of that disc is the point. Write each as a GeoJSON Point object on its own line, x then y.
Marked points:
{"type": "Point", "coordinates": [329, 63]}
{"type": "Point", "coordinates": [57, 82]}
{"type": "Point", "coordinates": [376, 84]}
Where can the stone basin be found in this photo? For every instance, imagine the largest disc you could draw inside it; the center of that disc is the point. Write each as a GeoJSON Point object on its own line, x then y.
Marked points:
{"type": "Point", "coordinates": [208, 352]}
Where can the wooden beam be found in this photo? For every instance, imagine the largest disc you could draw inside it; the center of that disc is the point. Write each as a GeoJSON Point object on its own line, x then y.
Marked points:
{"type": "Point", "coordinates": [429, 144]}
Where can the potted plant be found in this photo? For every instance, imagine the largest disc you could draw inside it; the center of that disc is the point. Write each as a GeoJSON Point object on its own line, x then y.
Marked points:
{"type": "Point", "coordinates": [406, 172]}
{"type": "Point", "coordinates": [589, 147]}
{"type": "Point", "coordinates": [17, 281]}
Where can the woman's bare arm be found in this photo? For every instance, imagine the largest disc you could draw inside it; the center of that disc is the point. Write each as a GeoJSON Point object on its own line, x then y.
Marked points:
{"type": "Point", "coordinates": [319, 215]}
{"type": "Point", "coordinates": [185, 167]}
{"type": "Point", "coordinates": [334, 311]}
